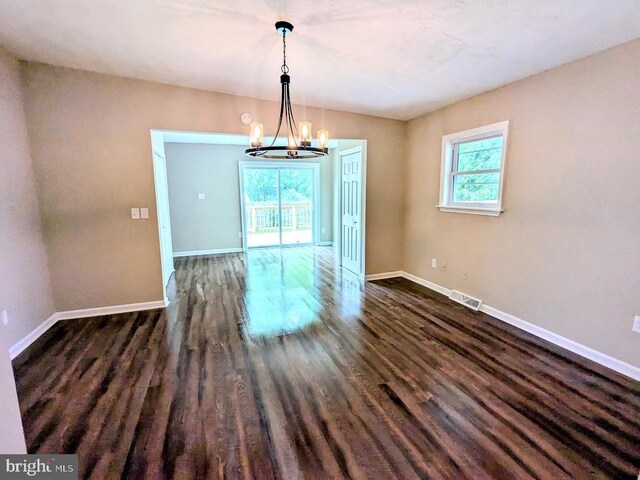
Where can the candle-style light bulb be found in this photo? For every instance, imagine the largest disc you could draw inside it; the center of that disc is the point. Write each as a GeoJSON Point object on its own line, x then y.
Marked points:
{"type": "Point", "coordinates": [323, 139]}
{"type": "Point", "coordinates": [256, 135]}
{"type": "Point", "coordinates": [305, 134]}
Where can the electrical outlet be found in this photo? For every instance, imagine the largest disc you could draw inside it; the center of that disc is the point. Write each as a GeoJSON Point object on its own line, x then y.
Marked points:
{"type": "Point", "coordinates": [636, 324]}
{"type": "Point", "coordinates": [201, 196]}
{"type": "Point", "coordinates": [135, 213]}
{"type": "Point", "coordinates": [144, 212]}
{"type": "Point", "coordinates": [5, 317]}
{"type": "Point", "coordinates": [434, 263]}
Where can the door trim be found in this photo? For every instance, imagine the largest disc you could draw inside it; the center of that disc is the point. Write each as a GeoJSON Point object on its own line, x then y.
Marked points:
{"type": "Point", "coordinates": [161, 188]}
{"type": "Point", "coordinates": [314, 166]}
{"type": "Point", "coordinates": [337, 241]}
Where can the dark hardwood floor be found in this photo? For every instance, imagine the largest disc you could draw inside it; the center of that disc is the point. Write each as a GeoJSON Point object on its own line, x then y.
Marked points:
{"type": "Point", "coordinates": [275, 365]}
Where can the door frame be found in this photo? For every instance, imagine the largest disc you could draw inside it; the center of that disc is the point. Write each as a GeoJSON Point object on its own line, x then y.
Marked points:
{"type": "Point", "coordinates": [161, 179]}
{"type": "Point", "coordinates": [363, 202]}
{"type": "Point", "coordinates": [313, 166]}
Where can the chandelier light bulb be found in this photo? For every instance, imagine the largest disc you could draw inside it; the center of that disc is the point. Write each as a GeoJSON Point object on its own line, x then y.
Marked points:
{"type": "Point", "coordinates": [323, 139]}
{"type": "Point", "coordinates": [305, 134]}
{"type": "Point", "coordinates": [256, 135]}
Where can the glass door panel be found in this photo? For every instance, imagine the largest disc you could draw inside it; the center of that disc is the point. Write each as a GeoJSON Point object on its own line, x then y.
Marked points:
{"type": "Point", "coordinates": [261, 206]}
{"type": "Point", "coordinates": [296, 199]}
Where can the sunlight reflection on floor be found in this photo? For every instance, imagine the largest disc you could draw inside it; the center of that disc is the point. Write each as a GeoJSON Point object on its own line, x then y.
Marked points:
{"type": "Point", "coordinates": [277, 312]}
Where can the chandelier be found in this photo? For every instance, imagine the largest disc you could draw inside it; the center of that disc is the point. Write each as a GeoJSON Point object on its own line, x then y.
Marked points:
{"type": "Point", "coordinates": [298, 138]}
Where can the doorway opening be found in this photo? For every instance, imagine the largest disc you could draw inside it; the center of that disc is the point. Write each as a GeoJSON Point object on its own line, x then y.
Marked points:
{"type": "Point", "coordinates": [279, 203]}
{"type": "Point", "coordinates": [207, 205]}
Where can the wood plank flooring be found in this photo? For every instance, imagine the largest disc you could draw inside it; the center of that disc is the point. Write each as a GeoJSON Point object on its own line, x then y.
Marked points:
{"type": "Point", "coordinates": [276, 365]}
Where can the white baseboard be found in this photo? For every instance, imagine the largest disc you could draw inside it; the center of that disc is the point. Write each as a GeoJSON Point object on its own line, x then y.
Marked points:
{"type": "Point", "coordinates": [21, 345]}
{"type": "Point", "coordinates": [111, 310]}
{"type": "Point", "coordinates": [426, 283]}
{"type": "Point", "coordinates": [325, 244]}
{"type": "Point", "coordinates": [214, 251]}
{"type": "Point", "coordinates": [382, 276]}
{"type": "Point", "coordinates": [575, 347]}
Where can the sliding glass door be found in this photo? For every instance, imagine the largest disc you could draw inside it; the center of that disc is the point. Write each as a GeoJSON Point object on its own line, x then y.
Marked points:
{"type": "Point", "coordinates": [261, 202]}
{"type": "Point", "coordinates": [278, 203]}
{"type": "Point", "coordinates": [296, 198]}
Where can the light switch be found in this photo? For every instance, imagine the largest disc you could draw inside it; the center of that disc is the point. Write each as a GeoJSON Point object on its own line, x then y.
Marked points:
{"type": "Point", "coordinates": [135, 213]}
{"type": "Point", "coordinates": [144, 212]}
{"type": "Point", "coordinates": [201, 196]}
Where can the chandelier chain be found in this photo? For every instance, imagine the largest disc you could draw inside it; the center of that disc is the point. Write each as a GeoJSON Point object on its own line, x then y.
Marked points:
{"type": "Point", "coordinates": [284, 69]}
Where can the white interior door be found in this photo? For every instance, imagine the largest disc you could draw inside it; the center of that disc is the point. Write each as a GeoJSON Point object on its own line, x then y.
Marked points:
{"type": "Point", "coordinates": [164, 218]}
{"type": "Point", "coordinates": [351, 209]}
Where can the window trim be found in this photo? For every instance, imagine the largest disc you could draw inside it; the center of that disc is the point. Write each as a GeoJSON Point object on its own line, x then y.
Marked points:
{"type": "Point", "coordinates": [447, 175]}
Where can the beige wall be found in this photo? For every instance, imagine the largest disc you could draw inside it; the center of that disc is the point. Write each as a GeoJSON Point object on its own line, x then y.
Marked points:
{"type": "Point", "coordinates": [92, 155]}
{"type": "Point", "coordinates": [25, 288]}
{"type": "Point", "coordinates": [565, 255]}
{"type": "Point", "coordinates": [25, 291]}
{"type": "Point", "coordinates": [215, 222]}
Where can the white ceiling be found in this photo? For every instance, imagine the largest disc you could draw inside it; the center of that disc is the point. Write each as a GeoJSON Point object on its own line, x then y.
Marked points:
{"type": "Point", "coordinates": [392, 58]}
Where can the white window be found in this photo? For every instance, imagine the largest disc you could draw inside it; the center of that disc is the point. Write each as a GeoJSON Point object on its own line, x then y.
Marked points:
{"type": "Point", "coordinates": [472, 174]}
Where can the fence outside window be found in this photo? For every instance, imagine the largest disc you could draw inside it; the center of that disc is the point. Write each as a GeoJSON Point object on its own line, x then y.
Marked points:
{"type": "Point", "coordinates": [263, 218]}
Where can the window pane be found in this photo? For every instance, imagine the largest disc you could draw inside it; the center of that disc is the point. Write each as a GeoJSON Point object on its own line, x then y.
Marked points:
{"type": "Point", "coordinates": [261, 206]}
{"type": "Point", "coordinates": [480, 154]}
{"type": "Point", "coordinates": [481, 187]}
{"type": "Point", "coordinates": [296, 192]}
